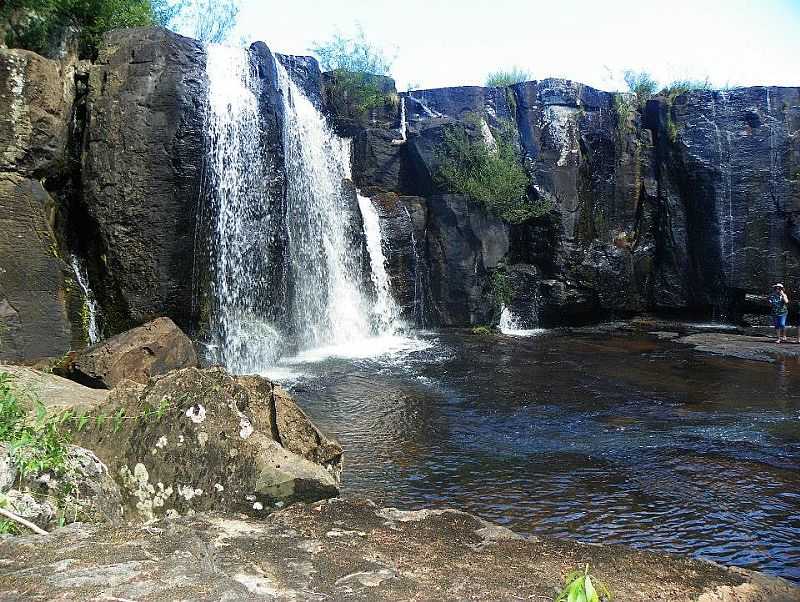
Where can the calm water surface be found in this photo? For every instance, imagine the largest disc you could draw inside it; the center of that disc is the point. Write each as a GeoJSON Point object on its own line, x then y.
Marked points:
{"type": "Point", "coordinates": [606, 439]}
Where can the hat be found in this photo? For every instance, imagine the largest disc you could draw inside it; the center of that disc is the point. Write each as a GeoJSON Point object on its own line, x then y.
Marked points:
{"type": "Point", "coordinates": [778, 285]}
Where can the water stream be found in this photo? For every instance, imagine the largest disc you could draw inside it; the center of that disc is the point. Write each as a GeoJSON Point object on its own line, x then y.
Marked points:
{"type": "Point", "coordinates": [607, 439]}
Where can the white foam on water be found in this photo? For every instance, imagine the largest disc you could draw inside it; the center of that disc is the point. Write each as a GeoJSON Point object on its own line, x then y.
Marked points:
{"type": "Point", "coordinates": [383, 346]}
{"type": "Point", "coordinates": [509, 325]}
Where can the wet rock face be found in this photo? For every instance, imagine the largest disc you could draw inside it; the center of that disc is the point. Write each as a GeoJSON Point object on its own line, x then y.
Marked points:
{"type": "Point", "coordinates": [142, 168]}
{"type": "Point", "coordinates": [202, 439]}
{"type": "Point", "coordinates": [730, 161]}
{"type": "Point", "coordinates": [686, 205]}
{"type": "Point", "coordinates": [35, 108]}
{"type": "Point", "coordinates": [346, 549]}
{"type": "Point", "coordinates": [138, 354]}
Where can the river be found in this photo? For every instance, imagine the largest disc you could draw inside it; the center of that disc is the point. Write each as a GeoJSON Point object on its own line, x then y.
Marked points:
{"type": "Point", "coordinates": [602, 438]}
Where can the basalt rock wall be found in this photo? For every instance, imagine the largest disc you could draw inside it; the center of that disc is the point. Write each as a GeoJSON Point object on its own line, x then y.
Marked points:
{"type": "Point", "coordinates": [686, 204]}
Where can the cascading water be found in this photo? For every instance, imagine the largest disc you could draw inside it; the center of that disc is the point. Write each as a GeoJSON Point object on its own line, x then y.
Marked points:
{"type": "Point", "coordinates": [242, 337]}
{"type": "Point", "coordinates": [511, 325]}
{"type": "Point", "coordinates": [93, 330]}
{"type": "Point", "coordinates": [314, 292]}
{"type": "Point", "coordinates": [329, 303]}
{"type": "Point", "coordinates": [385, 310]}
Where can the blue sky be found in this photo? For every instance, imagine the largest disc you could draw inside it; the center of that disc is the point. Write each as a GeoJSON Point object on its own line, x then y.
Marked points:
{"type": "Point", "coordinates": [447, 43]}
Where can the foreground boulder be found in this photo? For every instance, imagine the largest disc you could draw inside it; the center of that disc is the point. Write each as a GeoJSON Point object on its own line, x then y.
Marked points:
{"type": "Point", "coordinates": [137, 355]}
{"type": "Point", "coordinates": [81, 491]}
{"type": "Point", "coordinates": [349, 550]}
{"type": "Point", "coordinates": [205, 440]}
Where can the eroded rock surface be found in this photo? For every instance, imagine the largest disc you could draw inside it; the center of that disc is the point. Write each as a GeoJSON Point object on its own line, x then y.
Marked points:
{"type": "Point", "coordinates": [205, 440]}
{"type": "Point", "coordinates": [137, 355]}
{"type": "Point", "coordinates": [348, 550]}
{"type": "Point", "coordinates": [36, 96]}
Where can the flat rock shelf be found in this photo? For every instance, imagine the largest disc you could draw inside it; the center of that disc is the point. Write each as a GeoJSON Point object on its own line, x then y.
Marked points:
{"type": "Point", "coordinates": [348, 549]}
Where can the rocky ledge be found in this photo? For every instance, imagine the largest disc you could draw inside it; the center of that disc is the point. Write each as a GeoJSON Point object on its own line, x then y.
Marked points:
{"type": "Point", "coordinates": [347, 549]}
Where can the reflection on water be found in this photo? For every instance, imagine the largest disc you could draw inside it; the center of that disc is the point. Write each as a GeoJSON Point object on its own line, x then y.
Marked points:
{"type": "Point", "coordinates": [604, 439]}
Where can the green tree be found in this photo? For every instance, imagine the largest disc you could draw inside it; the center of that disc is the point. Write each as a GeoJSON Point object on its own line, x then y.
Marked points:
{"type": "Point", "coordinates": [642, 84]}
{"type": "Point", "coordinates": [210, 21]}
{"type": "Point", "coordinates": [35, 25]}
{"type": "Point", "coordinates": [507, 77]}
{"type": "Point", "coordinates": [354, 63]}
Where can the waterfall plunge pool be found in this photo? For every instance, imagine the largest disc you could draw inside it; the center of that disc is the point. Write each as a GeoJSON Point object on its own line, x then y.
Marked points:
{"type": "Point", "coordinates": [608, 439]}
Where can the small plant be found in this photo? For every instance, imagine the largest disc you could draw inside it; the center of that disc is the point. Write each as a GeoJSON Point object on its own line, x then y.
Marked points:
{"type": "Point", "coordinates": [642, 84]}
{"type": "Point", "coordinates": [507, 77]}
{"type": "Point", "coordinates": [481, 330]}
{"type": "Point", "coordinates": [680, 86]}
{"type": "Point", "coordinates": [580, 586]}
{"type": "Point", "coordinates": [623, 107]}
{"type": "Point", "coordinates": [501, 288]}
{"type": "Point", "coordinates": [37, 445]}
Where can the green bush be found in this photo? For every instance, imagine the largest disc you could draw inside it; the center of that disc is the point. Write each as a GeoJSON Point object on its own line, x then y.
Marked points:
{"type": "Point", "coordinates": [36, 444]}
{"type": "Point", "coordinates": [507, 77]}
{"type": "Point", "coordinates": [679, 86]}
{"type": "Point", "coordinates": [494, 177]}
{"type": "Point", "coordinates": [34, 25]}
{"type": "Point", "coordinates": [641, 84]}
{"type": "Point", "coordinates": [623, 107]}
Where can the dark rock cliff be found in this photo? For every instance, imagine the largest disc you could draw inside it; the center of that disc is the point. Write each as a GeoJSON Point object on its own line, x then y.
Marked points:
{"type": "Point", "coordinates": [688, 204]}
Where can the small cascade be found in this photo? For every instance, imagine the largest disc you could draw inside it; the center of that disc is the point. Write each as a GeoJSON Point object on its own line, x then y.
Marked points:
{"type": "Point", "coordinates": [91, 316]}
{"type": "Point", "coordinates": [403, 124]}
{"type": "Point", "coordinates": [425, 108]}
{"type": "Point", "coordinates": [385, 311]}
{"type": "Point", "coordinates": [242, 338]}
{"type": "Point", "coordinates": [511, 325]}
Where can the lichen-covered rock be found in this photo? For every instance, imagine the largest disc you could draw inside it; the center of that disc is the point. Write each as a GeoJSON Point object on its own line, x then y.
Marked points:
{"type": "Point", "coordinates": [138, 354]}
{"type": "Point", "coordinates": [202, 439]}
{"type": "Point", "coordinates": [81, 491]}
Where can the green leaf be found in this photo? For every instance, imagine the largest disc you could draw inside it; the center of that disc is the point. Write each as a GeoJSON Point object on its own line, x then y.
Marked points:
{"type": "Point", "coordinates": [588, 588]}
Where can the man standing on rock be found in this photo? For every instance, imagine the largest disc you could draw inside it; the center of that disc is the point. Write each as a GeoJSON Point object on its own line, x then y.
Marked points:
{"type": "Point", "coordinates": [780, 310]}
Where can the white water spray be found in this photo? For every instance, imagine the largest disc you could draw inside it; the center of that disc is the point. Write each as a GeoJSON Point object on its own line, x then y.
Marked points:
{"type": "Point", "coordinates": [329, 305]}
{"type": "Point", "coordinates": [510, 325]}
{"type": "Point", "coordinates": [93, 332]}
{"type": "Point", "coordinates": [403, 124]}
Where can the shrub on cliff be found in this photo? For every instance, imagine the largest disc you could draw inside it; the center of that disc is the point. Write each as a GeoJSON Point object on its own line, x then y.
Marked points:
{"type": "Point", "coordinates": [38, 24]}
{"type": "Point", "coordinates": [642, 84]}
{"type": "Point", "coordinates": [493, 176]}
{"type": "Point", "coordinates": [507, 77]}
{"type": "Point", "coordinates": [354, 62]}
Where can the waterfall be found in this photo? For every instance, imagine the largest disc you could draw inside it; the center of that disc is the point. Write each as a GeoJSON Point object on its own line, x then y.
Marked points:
{"type": "Point", "coordinates": [385, 309]}
{"type": "Point", "coordinates": [288, 274]}
{"type": "Point", "coordinates": [329, 304]}
{"type": "Point", "coordinates": [91, 313]}
{"type": "Point", "coordinates": [242, 338]}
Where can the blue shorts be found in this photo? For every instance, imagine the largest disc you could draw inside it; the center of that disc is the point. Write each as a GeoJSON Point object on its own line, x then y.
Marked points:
{"type": "Point", "coordinates": [780, 321]}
